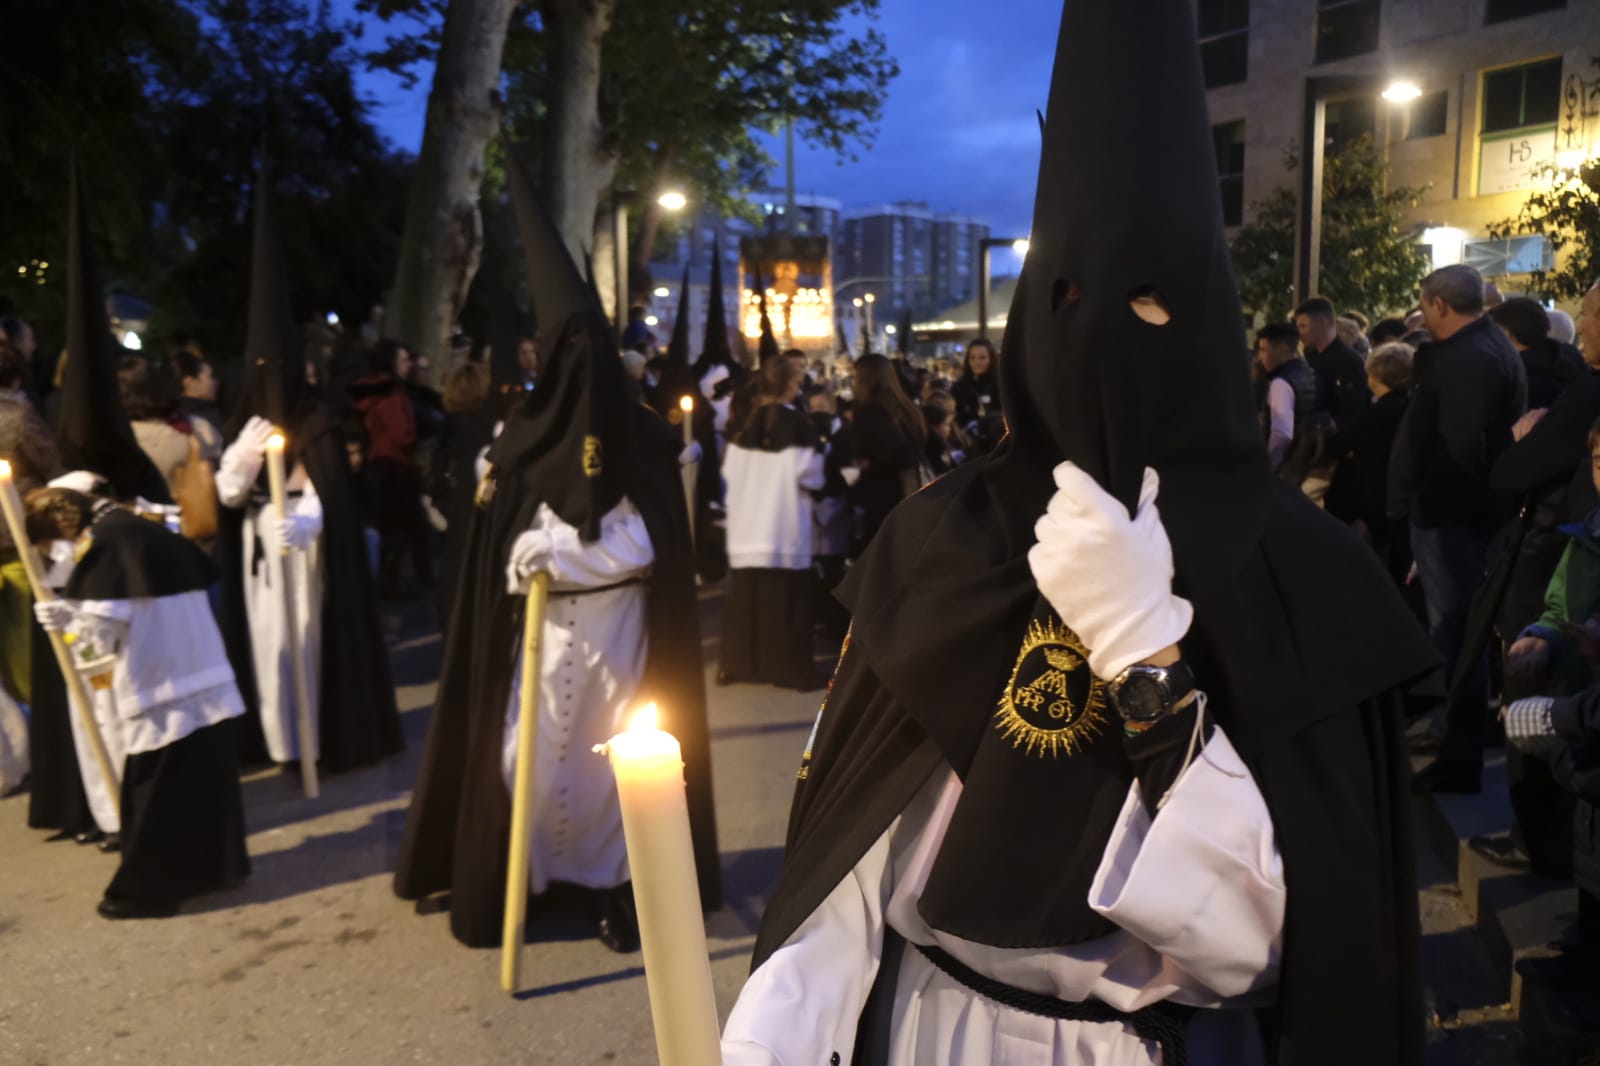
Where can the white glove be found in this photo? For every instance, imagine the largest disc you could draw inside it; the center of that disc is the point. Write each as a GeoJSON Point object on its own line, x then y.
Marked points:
{"type": "Point", "coordinates": [84, 481]}
{"type": "Point", "coordinates": [530, 553]}
{"type": "Point", "coordinates": [1108, 577]}
{"type": "Point", "coordinates": [54, 615]}
{"type": "Point", "coordinates": [296, 532]}
{"type": "Point", "coordinates": [243, 458]}
{"type": "Point", "coordinates": [691, 455]}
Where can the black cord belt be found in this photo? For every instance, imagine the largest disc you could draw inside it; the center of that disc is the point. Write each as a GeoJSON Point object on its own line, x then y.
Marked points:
{"type": "Point", "coordinates": [1162, 1023]}
{"type": "Point", "coordinates": [561, 594]}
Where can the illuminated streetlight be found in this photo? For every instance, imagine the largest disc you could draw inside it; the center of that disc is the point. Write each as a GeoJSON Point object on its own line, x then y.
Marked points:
{"type": "Point", "coordinates": [857, 302]}
{"type": "Point", "coordinates": [662, 292]}
{"type": "Point", "coordinates": [1571, 159]}
{"type": "Point", "coordinates": [651, 320]}
{"type": "Point", "coordinates": [673, 200]}
{"type": "Point", "coordinates": [333, 318]}
{"type": "Point", "coordinates": [870, 298]}
{"type": "Point", "coordinates": [1020, 247]}
{"type": "Point", "coordinates": [889, 330]}
{"type": "Point", "coordinates": [1401, 92]}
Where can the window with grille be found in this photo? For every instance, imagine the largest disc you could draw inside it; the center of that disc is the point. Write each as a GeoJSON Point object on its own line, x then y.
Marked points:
{"type": "Point", "coordinates": [1224, 41]}
{"type": "Point", "coordinates": [1346, 28]}
{"type": "Point", "coordinates": [1517, 97]}
{"type": "Point", "coordinates": [1228, 140]}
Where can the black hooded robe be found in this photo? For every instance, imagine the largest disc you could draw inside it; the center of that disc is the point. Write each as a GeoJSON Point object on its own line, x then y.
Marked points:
{"type": "Point", "coordinates": [358, 719]}
{"type": "Point", "coordinates": [458, 830]}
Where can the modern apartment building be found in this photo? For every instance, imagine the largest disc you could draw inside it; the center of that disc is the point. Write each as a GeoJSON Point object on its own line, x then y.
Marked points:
{"type": "Point", "coordinates": [908, 257]}
{"type": "Point", "coordinates": [1496, 89]}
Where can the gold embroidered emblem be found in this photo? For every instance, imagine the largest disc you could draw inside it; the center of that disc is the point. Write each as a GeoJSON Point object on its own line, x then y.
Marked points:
{"type": "Point", "coordinates": [592, 457]}
{"type": "Point", "coordinates": [1053, 703]}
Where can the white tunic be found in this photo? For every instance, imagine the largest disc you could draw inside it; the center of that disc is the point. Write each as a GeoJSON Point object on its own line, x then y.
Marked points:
{"type": "Point", "coordinates": [170, 677]}
{"type": "Point", "coordinates": [593, 658]}
{"type": "Point", "coordinates": [1198, 895]}
{"type": "Point", "coordinates": [264, 607]}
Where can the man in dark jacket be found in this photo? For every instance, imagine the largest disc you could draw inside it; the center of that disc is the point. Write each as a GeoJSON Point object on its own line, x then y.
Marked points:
{"type": "Point", "coordinates": [1296, 403]}
{"type": "Point", "coordinates": [1344, 376]}
{"type": "Point", "coordinates": [1552, 367]}
{"type": "Point", "coordinates": [1470, 391]}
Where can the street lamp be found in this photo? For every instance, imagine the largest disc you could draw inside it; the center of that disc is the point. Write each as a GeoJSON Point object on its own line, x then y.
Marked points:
{"type": "Point", "coordinates": [672, 200]}
{"type": "Point", "coordinates": [870, 300]}
{"type": "Point", "coordinates": [1314, 133]}
{"type": "Point", "coordinates": [1019, 245]}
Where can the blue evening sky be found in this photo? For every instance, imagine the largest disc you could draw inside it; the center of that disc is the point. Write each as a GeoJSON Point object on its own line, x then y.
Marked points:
{"type": "Point", "coordinates": [959, 128]}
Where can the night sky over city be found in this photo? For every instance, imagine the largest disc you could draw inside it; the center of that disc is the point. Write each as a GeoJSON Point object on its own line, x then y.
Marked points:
{"type": "Point", "coordinates": [959, 128]}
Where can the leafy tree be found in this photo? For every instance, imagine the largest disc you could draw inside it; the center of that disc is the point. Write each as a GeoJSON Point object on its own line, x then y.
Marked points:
{"type": "Point", "coordinates": [1565, 211]}
{"type": "Point", "coordinates": [1370, 257]}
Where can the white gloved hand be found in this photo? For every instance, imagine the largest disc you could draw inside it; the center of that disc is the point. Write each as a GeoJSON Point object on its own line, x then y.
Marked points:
{"type": "Point", "coordinates": [851, 475]}
{"type": "Point", "coordinates": [691, 455]}
{"type": "Point", "coordinates": [84, 481]}
{"type": "Point", "coordinates": [530, 553]}
{"type": "Point", "coordinates": [243, 458]}
{"type": "Point", "coordinates": [1108, 577]}
{"type": "Point", "coordinates": [54, 615]}
{"type": "Point", "coordinates": [296, 532]}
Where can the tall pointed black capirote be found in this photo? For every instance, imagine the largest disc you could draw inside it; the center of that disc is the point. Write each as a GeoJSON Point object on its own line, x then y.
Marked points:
{"type": "Point", "coordinates": [93, 429]}
{"type": "Point", "coordinates": [768, 349]}
{"type": "Point", "coordinates": [715, 351]}
{"type": "Point", "coordinates": [678, 347]}
{"type": "Point", "coordinates": [274, 348]}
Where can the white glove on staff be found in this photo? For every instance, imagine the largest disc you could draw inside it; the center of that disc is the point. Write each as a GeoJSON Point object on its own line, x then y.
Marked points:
{"type": "Point", "coordinates": [1109, 577]}
{"type": "Point", "coordinates": [297, 532]}
{"type": "Point", "coordinates": [54, 615]}
{"type": "Point", "coordinates": [691, 455]}
{"type": "Point", "coordinates": [530, 553]}
{"type": "Point", "coordinates": [242, 460]}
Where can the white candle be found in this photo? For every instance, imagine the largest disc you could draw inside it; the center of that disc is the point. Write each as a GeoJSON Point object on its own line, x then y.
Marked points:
{"type": "Point", "coordinates": [655, 820]}
{"type": "Point", "coordinates": [275, 478]}
{"type": "Point", "coordinates": [686, 405]}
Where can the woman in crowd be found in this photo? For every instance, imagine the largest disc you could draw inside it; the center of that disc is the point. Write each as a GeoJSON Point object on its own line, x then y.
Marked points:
{"type": "Point", "coordinates": [150, 398]}
{"type": "Point", "coordinates": [772, 466]}
{"type": "Point", "coordinates": [1359, 492]}
{"type": "Point", "coordinates": [889, 437]}
{"type": "Point", "coordinates": [977, 390]}
{"type": "Point", "coordinates": [386, 409]}
{"type": "Point", "coordinates": [1552, 366]}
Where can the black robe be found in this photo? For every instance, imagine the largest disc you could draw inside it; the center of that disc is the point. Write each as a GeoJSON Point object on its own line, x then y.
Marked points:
{"type": "Point", "coordinates": [359, 722]}
{"type": "Point", "coordinates": [56, 799]}
{"type": "Point", "coordinates": [1333, 773]}
{"type": "Point", "coordinates": [459, 824]}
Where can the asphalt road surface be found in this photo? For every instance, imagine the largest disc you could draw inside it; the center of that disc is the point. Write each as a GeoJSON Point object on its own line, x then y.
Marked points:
{"type": "Point", "coordinates": [314, 961]}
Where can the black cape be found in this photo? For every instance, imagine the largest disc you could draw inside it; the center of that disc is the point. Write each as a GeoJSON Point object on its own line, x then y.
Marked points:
{"type": "Point", "coordinates": [459, 823]}
{"type": "Point", "coordinates": [134, 558]}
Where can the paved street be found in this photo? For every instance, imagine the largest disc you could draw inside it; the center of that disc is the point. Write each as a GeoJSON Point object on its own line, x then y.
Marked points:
{"type": "Point", "coordinates": [314, 961]}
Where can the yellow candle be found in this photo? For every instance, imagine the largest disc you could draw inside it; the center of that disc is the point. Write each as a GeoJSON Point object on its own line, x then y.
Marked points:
{"type": "Point", "coordinates": [686, 405]}
{"type": "Point", "coordinates": [655, 820]}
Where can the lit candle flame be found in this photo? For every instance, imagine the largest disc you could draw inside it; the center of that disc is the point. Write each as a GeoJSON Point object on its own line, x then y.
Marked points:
{"type": "Point", "coordinates": [645, 719]}
{"type": "Point", "coordinates": [5, 470]}
{"type": "Point", "coordinates": [275, 442]}
{"type": "Point", "coordinates": [687, 403]}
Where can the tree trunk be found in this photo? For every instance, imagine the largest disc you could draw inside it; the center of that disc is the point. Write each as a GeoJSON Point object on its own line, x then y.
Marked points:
{"type": "Point", "coordinates": [578, 167]}
{"type": "Point", "coordinates": [443, 239]}
{"type": "Point", "coordinates": [640, 280]}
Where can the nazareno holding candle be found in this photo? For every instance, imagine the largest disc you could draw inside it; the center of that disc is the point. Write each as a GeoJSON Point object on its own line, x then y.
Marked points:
{"type": "Point", "coordinates": [585, 485]}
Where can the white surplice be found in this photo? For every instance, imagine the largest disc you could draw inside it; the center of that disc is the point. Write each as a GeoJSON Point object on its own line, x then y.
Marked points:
{"type": "Point", "coordinates": [1197, 894]}
{"type": "Point", "coordinates": [593, 658]}
{"type": "Point", "coordinates": [269, 643]}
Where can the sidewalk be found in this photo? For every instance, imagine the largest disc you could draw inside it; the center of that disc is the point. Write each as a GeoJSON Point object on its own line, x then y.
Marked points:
{"type": "Point", "coordinates": [1517, 915]}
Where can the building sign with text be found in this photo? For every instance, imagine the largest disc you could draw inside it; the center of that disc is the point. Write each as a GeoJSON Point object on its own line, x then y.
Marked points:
{"type": "Point", "coordinates": [1510, 162]}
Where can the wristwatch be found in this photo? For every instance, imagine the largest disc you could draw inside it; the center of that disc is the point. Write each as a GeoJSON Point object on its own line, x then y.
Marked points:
{"type": "Point", "coordinates": [1146, 694]}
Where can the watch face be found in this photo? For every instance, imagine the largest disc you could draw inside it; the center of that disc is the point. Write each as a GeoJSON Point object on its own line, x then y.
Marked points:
{"type": "Point", "coordinates": [1142, 698]}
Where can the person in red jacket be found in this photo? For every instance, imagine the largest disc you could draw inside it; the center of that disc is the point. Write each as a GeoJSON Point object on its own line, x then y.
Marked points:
{"type": "Point", "coordinates": [385, 407]}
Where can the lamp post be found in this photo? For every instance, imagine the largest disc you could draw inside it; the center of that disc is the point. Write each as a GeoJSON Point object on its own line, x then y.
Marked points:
{"type": "Point", "coordinates": [1313, 136]}
{"type": "Point", "coordinates": [985, 245]}
{"type": "Point", "coordinates": [671, 200]}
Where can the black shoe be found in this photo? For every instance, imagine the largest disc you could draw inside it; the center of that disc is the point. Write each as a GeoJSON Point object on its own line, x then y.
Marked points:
{"type": "Point", "coordinates": [112, 843]}
{"type": "Point", "coordinates": [118, 909]}
{"type": "Point", "coordinates": [1440, 776]}
{"type": "Point", "coordinates": [618, 927]}
{"type": "Point", "coordinates": [1502, 851]}
{"type": "Point", "coordinates": [89, 836]}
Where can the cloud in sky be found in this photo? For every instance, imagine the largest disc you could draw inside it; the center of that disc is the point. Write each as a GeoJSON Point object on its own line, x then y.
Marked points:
{"type": "Point", "coordinates": [959, 128]}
